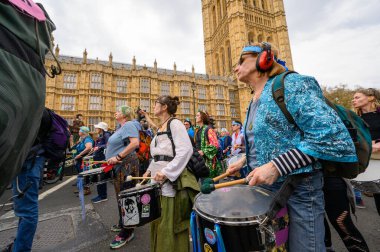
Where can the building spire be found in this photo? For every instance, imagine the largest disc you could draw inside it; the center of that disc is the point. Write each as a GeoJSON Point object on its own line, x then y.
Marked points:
{"type": "Point", "coordinates": [85, 56]}
{"type": "Point", "coordinates": [56, 51]}
{"type": "Point", "coordinates": [110, 58]}
{"type": "Point", "coordinates": [134, 63]}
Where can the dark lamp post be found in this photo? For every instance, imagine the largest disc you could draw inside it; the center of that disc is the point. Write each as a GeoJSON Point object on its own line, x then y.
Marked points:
{"type": "Point", "coordinates": [194, 87]}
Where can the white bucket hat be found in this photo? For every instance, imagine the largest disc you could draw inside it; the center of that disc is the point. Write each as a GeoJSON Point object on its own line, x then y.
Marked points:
{"type": "Point", "coordinates": [101, 125]}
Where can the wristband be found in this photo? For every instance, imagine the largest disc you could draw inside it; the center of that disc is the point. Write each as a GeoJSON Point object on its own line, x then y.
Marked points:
{"type": "Point", "coordinates": [118, 157]}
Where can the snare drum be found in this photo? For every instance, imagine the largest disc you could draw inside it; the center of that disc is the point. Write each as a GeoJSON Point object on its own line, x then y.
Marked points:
{"type": "Point", "coordinates": [234, 219]}
{"type": "Point", "coordinates": [140, 205]}
{"type": "Point", "coordinates": [369, 181]}
{"type": "Point", "coordinates": [95, 176]}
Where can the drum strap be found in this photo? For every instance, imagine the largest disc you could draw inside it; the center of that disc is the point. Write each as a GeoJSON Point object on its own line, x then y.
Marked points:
{"type": "Point", "coordinates": [282, 196]}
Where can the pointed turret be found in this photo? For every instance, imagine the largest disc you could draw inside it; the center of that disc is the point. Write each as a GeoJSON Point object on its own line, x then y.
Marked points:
{"type": "Point", "coordinates": [110, 58]}
{"type": "Point", "coordinates": [134, 63]}
{"type": "Point", "coordinates": [56, 51]}
{"type": "Point", "coordinates": [85, 56]}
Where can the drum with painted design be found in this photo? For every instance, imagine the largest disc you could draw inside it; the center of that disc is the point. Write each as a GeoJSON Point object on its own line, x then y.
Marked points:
{"type": "Point", "coordinates": [95, 176]}
{"type": "Point", "coordinates": [140, 205]}
{"type": "Point", "coordinates": [235, 219]}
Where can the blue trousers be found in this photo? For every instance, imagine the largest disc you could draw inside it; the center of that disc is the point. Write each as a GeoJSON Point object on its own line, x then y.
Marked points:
{"type": "Point", "coordinates": [102, 190]}
{"type": "Point", "coordinates": [26, 208]}
{"type": "Point", "coordinates": [306, 210]}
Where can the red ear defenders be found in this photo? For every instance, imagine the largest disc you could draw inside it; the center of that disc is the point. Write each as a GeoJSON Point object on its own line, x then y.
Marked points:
{"type": "Point", "coordinates": [265, 59]}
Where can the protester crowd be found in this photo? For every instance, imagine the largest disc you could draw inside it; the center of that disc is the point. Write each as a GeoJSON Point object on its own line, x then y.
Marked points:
{"type": "Point", "coordinates": [268, 147]}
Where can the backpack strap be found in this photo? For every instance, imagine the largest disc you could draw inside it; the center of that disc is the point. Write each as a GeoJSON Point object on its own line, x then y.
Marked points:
{"type": "Point", "coordinates": [278, 92]}
{"type": "Point", "coordinates": [169, 132]}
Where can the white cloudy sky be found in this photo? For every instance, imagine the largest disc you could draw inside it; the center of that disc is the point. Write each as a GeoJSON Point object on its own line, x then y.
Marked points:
{"type": "Point", "coordinates": [336, 41]}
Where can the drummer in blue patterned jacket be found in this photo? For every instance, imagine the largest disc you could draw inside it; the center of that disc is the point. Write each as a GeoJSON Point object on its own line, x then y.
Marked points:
{"type": "Point", "coordinates": [276, 148]}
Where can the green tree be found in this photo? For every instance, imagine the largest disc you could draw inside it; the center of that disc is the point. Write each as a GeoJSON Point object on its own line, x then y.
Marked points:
{"type": "Point", "coordinates": [340, 94]}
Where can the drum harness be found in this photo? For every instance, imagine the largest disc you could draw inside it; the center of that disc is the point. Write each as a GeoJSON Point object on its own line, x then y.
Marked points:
{"type": "Point", "coordinates": [281, 198]}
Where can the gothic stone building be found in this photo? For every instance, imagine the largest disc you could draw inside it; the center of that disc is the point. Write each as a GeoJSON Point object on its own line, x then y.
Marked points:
{"type": "Point", "coordinates": [95, 88]}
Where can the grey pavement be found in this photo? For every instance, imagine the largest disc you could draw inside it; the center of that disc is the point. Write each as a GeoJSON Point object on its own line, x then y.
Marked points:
{"type": "Point", "coordinates": [61, 228]}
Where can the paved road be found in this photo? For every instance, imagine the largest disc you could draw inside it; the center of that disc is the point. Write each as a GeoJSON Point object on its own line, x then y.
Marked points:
{"type": "Point", "coordinates": [61, 227]}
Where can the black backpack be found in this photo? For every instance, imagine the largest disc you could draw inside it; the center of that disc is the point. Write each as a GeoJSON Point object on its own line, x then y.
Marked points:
{"type": "Point", "coordinates": [196, 164]}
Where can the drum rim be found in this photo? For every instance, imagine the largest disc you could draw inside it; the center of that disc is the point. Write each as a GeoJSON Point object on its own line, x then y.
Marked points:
{"type": "Point", "coordinates": [130, 193]}
{"type": "Point", "coordinates": [246, 221]}
{"type": "Point", "coordinates": [95, 171]}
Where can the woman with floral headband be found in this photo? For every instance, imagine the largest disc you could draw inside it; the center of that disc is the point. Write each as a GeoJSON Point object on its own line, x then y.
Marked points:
{"type": "Point", "coordinates": [206, 142]}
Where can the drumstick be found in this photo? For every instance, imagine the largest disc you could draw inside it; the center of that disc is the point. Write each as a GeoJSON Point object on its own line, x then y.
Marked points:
{"type": "Point", "coordinates": [91, 165]}
{"type": "Point", "coordinates": [208, 188]}
{"type": "Point", "coordinates": [97, 162]}
{"type": "Point", "coordinates": [129, 178]}
{"type": "Point", "coordinates": [141, 183]}
{"type": "Point", "coordinates": [211, 181]}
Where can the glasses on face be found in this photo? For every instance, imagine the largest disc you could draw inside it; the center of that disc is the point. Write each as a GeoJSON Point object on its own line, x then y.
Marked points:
{"type": "Point", "coordinates": [241, 59]}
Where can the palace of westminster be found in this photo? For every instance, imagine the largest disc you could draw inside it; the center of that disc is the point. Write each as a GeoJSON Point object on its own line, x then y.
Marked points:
{"type": "Point", "coordinates": [95, 88]}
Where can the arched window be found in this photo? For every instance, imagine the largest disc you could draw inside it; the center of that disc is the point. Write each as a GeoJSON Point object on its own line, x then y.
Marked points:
{"type": "Point", "coordinates": [223, 61]}
{"type": "Point", "coordinates": [214, 18]}
{"type": "Point", "coordinates": [224, 7]}
{"type": "Point", "coordinates": [217, 64]}
{"type": "Point", "coordinates": [260, 38]}
{"type": "Point", "coordinates": [251, 37]}
{"type": "Point", "coordinates": [229, 56]}
{"type": "Point", "coordinates": [220, 15]}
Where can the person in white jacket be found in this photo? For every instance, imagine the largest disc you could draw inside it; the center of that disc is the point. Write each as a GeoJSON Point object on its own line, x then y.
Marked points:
{"type": "Point", "coordinates": [166, 168]}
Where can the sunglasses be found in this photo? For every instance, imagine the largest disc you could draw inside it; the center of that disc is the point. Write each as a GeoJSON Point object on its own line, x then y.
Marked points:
{"type": "Point", "coordinates": [241, 59]}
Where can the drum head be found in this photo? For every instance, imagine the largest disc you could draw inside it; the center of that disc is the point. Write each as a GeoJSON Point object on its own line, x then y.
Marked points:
{"type": "Point", "coordinates": [372, 172]}
{"type": "Point", "coordinates": [136, 189]}
{"type": "Point", "coordinates": [238, 205]}
{"type": "Point", "coordinates": [92, 171]}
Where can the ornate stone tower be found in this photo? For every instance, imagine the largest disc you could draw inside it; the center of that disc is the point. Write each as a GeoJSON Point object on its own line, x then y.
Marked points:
{"type": "Point", "coordinates": [229, 24]}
